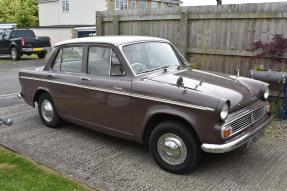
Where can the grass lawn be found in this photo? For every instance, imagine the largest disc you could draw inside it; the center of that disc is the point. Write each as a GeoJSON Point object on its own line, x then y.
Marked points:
{"type": "Point", "coordinates": [18, 173]}
{"type": "Point", "coordinates": [5, 61]}
{"type": "Point", "coordinates": [8, 60]}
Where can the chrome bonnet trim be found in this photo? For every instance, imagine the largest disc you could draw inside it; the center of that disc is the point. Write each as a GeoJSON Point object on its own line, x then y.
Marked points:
{"type": "Point", "coordinates": [140, 96]}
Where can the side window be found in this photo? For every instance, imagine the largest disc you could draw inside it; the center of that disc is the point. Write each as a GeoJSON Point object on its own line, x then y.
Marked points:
{"type": "Point", "coordinates": [99, 61]}
{"type": "Point", "coordinates": [6, 35]}
{"type": "Point", "coordinates": [104, 62]}
{"type": "Point", "coordinates": [1, 35]}
{"type": "Point", "coordinates": [69, 60]}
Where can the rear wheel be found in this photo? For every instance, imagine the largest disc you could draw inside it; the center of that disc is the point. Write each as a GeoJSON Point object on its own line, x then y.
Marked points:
{"type": "Point", "coordinates": [174, 147]}
{"type": "Point", "coordinates": [42, 55]}
{"type": "Point", "coordinates": [15, 54]}
{"type": "Point", "coordinates": [48, 112]}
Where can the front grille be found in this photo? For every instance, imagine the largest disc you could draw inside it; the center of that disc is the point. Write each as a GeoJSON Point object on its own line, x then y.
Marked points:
{"type": "Point", "coordinates": [239, 123]}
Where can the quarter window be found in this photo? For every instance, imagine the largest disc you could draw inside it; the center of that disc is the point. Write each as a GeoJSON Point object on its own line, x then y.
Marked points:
{"type": "Point", "coordinates": [69, 60]}
{"type": "Point", "coordinates": [104, 62]}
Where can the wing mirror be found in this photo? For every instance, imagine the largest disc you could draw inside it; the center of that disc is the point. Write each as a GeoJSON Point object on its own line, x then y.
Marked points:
{"type": "Point", "coordinates": [179, 82]}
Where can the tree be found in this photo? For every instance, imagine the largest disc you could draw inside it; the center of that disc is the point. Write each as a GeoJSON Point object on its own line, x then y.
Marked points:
{"type": "Point", "coordinates": [22, 12]}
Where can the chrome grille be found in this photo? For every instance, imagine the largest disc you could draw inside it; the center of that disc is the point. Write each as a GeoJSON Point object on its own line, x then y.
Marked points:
{"type": "Point", "coordinates": [243, 121]}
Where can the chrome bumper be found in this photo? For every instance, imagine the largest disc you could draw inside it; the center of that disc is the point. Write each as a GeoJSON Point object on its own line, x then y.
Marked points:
{"type": "Point", "coordinates": [33, 49]}
{"type": "Point", "coordinates": [234, 144]}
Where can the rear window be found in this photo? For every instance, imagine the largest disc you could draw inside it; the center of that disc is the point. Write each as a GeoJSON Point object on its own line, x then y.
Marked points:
{"type": "Point", "coordinates": [22, 33]}
{"type": "Point", "coordinates": [69, 60]}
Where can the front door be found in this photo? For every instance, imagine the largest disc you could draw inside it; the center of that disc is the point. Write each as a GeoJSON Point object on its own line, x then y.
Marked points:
{"type": "Point", "coordinates": [110, 100]}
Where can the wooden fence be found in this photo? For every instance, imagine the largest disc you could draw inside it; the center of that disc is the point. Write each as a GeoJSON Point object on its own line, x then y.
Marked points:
{"type": "Point", "coordinates": [216, 38]}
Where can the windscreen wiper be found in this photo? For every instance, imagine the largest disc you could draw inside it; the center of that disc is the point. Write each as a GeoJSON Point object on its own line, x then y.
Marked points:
{"type": "Point", "coordinates": [163, 67]}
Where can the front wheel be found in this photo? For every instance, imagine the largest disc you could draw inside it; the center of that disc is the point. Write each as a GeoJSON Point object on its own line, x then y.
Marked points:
{"type": "Point", "coordinates": [15, 54]}
{"type": "Point", "coordinates": [42, 55]}
{"type": "Point", "coordinates": [175, 147]}
{"type": "Point", "coordinates": [48, 112]}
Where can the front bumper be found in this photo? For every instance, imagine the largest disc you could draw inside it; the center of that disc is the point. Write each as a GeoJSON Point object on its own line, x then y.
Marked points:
{"type": "Point", "coordinates": [234, 144]}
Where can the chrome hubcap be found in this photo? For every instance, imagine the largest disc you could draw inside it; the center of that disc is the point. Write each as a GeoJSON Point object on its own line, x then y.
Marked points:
{"type": "Point", "coordinates": [172, 149]}
{"type": "Point", "coordinates": [47, 110]}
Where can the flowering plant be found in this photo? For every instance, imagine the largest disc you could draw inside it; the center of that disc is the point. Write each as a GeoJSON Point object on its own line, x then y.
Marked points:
{"type": "Point", "coordinates": [274, 50]}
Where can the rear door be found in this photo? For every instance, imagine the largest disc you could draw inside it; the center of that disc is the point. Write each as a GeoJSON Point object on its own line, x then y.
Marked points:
{"type": "Point", "coordinates": [65, 82]}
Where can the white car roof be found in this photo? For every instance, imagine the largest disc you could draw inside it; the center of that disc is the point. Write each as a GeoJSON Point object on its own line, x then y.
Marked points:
{"type": "Point", "coordinates": [114, 40]}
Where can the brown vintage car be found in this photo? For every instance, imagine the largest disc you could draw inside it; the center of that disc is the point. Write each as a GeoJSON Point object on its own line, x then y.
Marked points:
{"type": "Point", "coordinates": [141, 89]}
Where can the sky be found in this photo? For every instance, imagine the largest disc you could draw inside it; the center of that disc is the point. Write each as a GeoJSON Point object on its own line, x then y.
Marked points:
{"type": "Point", "coordinates": [213, 2]}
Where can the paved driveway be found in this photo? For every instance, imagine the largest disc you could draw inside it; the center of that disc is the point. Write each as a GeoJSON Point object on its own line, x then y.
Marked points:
{"type": "Point", "coordinates": [109, 163]}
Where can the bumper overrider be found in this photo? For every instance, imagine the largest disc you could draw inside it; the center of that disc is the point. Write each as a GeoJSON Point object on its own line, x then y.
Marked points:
{"type": "Point", "coordinates": [234, 144]}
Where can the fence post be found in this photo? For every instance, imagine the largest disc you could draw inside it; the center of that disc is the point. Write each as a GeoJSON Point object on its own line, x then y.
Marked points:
{"type": "Point", "coordinates": [183, 32]}
{"type": "Point", "coordinates": [116, 25]}
{"type": "Point", "coordinates": [99, 24]}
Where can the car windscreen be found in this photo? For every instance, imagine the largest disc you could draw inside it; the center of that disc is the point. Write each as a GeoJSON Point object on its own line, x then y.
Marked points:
{"type": "Point", "coordinates": [22, 33]}
{"type": "Point", "coordinates": [148, 56]}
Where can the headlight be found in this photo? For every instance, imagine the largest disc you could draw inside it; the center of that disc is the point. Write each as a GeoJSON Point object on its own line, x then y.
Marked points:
{"type": "Point", "coordinates": [224, 111]}
{"type": "Point", "coordinates": [266, 94]}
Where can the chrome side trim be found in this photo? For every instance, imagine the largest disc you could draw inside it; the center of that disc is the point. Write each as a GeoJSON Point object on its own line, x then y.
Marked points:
{"type": "Point", "coordinates": [124, 94]}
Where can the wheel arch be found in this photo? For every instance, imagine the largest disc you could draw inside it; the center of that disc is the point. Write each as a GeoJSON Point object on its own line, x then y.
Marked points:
{"type": "Point", "coordinates": [38, 93]}
{"type": "Point", "coordinates": [158, 118]}
{"type": "Point", "coordinates": [13, 44]}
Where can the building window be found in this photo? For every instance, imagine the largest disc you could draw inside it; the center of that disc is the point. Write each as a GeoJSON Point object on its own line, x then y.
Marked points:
{"type": "Point", "coordinates": [154, 4]}
{"type": "Point", "coordinates": [134, 4]}
{"type": "Point", "coordinates": [65, 5]}
{"type": "Point", "coordinates": [121, 4]}
{"type": "Point", "coordinates": [143, 4]}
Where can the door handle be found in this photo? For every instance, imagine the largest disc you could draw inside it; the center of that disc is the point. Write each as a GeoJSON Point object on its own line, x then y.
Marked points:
{"type": "Point", "coordinates": [118, 88]}
{"type": "Point", "coordinates": [86, 79]}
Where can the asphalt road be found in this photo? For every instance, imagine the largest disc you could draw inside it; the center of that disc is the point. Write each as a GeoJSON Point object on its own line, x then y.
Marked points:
{"type": "Point", "coordinates": [108, 163]}
{"type": "Point", "coordinates": [9, 84]}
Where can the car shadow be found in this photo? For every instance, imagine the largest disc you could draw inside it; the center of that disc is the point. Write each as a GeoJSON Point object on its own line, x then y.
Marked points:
{"type": "Point", "coordinates": [209, 162]}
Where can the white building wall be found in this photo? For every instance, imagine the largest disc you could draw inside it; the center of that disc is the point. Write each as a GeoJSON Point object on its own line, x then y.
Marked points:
{"type": "Point", "coordinates": [81, 12]}
{"type": "Point", "coordinates": [49, 13]}
{"type": "Point", "coordinates": [56, 34]}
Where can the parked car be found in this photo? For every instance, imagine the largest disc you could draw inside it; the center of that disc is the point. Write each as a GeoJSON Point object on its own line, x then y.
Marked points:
{"type": "Point", "coordinates": [141, 89]}
{"type": "Point", "coordinates": [18, 42]}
